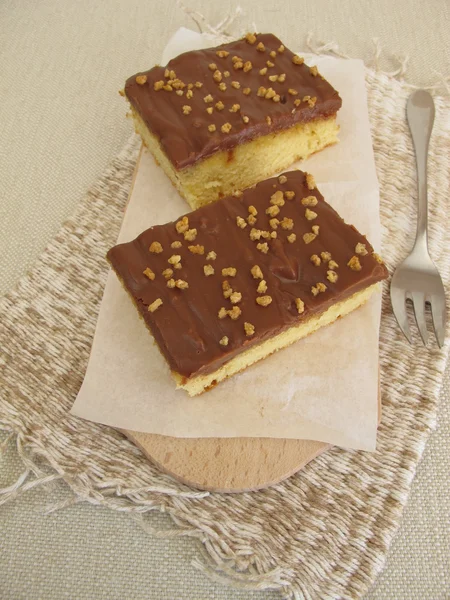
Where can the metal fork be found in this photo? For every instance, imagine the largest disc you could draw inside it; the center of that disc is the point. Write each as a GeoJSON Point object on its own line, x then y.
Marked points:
{"type": "Point", "coordinates": [417, 278]}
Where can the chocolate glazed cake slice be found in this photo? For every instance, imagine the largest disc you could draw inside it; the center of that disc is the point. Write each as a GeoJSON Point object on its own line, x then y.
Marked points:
{"type": "Point", "coordinates": [222, 119]}
{"type": "Point", "coordinates": [234, 281]}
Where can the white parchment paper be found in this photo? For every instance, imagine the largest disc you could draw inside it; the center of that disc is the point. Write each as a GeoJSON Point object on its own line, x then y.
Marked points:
{"type": "Point", "coordinates": [324, 387]}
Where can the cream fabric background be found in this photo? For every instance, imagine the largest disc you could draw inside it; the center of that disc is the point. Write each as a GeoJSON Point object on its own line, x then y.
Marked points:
{"type": "Point", "coordinates": [61, 121]}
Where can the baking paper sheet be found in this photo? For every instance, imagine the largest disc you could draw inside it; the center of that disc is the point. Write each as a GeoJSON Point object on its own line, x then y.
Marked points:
{"type": "Point", "coordinates": [324, 387]}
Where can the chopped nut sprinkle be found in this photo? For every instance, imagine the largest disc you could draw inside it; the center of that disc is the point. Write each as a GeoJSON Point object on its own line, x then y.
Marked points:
{"type": "Point", "coordinates": [171, 283]}
{"type": "Point", "coordinates": [332, 264]}
{"type": "Point", "coordinates": [179, 92]}
{"type": "Point", "coordinates": [361, 249]}
{"type": "Point", "coordinates": [262, 287]}
{"type": "Point", "coordinates": [222, 313]}
{"type": "Point", "coordinates": [247, 66]}
{"type": "Point", "coordinates": [298, 60]}
{"type": "Point", "coordinates": [235, 108]}
{"type": "Point", "coordinates": [189, 94]}
{"type": "Point", "coordinates": [264, 300]}
{"type": "Point", "coordinates": [310, 181]}
{"type": "Point", "coordinates": [190, 235]}
{"type": "Point", "coordinates": [300, 305]}
{"type": "Point", "coordinates": [222, 53]}
{"type": "Point", "coordinates": [155, 305]}
{"type": "Point", "coordinates": [226, 128]}
{"type": "Point", "coordinates": [291, 238]}
{"type": "Point", "coordinates": [238, 64]}
{"type": "Point", "coordinates": [245, 118]}
{"type": "Point", "coordinates": [274, 223]}
{"type": "Point", "coordinates": [190, 86]}
{"type": "Point", "coordinates": [290, 195]}
{"type": "Point", "coordinates": [235, 297]}
{"type": "Point", "coordinates": [263, 71]}
{"type": "Point", "coordinates": [280, 49]}
{"type": "Point", "coordinates": [316, 289]}
{"type": "Point", "coordinates": [273, 234]}
{"type": "Point", "coordinates": [141, 79]}
{"type": "Point", "coordinates": [309, 201]}
{"type": "Point", "coordinates": [260, 47]}
{"type": "Point", "coordinates": [309, 237]}
{"type": "Point", "coordinates": [235, 84]}
{"type": "Point", "coordinates": [249, 329]}
{"type": "Point", "coordinates": [222, 86]}
{"type": "Point", "coordinates": [178, 266]}
{"type": "Point", "coordinates": [187, 109]}
{"type": "Point", "coordinates": [261, 91]}
{"type": "Point", "coordinates": [149, 273]}
{"type": "Point", "coordinates": [167, 87]}
{"type": "Point", "coordinates": [198, 84]}
{"type": "Point", "coordinates": [268, 120]}
{"type": "Point", "coordinates": [265, 235]}
{"type": "Point", "coordinates": [227, 289]}
{"type": "Point", "coordinates": [354, 264]}
{"type": "Point", "coordinates": [277, 199]}
{"type": "Point", "coordinates": [246, 91]}
{"type": "Point", "coordinates": [211, 255]}
{"type": "Point", "coordinates": [219, 105]}
{"type": "Point", "coordinates": [234, 313]}
{"type": "Point", "coordinates": [211, 128]}
{"type": "Point", "coordinates": [208, 270]}
{"type": "Point", "coordinates": [310, 214]}
{"type": "Point", "coordinates": [312, 102]}
{"type": "Point", "coordinates": [282, 77]}
{"type": "Point", "coordinates": [226, 73]}
{"type": "Point", "coordinates": [297, 102]}
{"type": "Point", "coordinates": [326, 256]}
{"type": "Point", "coordinates": [264, 248]}
{"type": "Point", "coordinates": [315, 259]}
{"type": "Point", "coordinates": [255, 234]}
{"type": "Point", "coordinates": [272, 211]}
{"type": "Point", "coordinates": [256, 272]}
{"type": "Point", "coordinates": [250, 38]}
{"type": "Point", "coordinates": [240, 222]}
{"type": "Point", "coordinates": [167, 273]}
{"type": "Point", "coordinates": [292, 92]}
{"type": "Point", "coordinates": [270, 93]}
{"type": "Point", "coordinates": [282, 179]}
{"type": "Point", "coordinates": [315, 229]}
{"type": "Point", "coordinates": [273, 54]}
{"type": "Point", "coordinates": [378, 258]}
{"type": "Point", "coordinates": [158, 85]}
{"type": "Point", "coordinates": [172, 75]}
{"type": "Point", "coordinates": [197, 249]}
{"type": "Point", "coordinates": [182, 225]}
{"type": "Point", "coordinates": [276, 98]}
{"type": "Point", "coordinates": [229, 272]}
{"type": "Point", "coordinates": [252, 210]}
{"type": "Point", "coordinates": [181, 284]}
{"type": "Point", "coordinates": [313, 70]}
{"type": "Point", "coordinates": [208, 98]}
{"type": "Point", "coordinates": [217, 76]}
{"type": "Point", "coordinates": [332, 276]}
{"type": "Point", "coordinates": [212, 67]}
{"type": "Point", "coordinates": [155, 248]}
{"type": "Point", "coordinates": [174, 259]}
{"type": "Point", "coordinates": [287, 223]}
{"type": "Point", "coordinates": [273, 77]}
{"type": "Point", "coordinates": [224, 341]}
{"type": "Point", "coordinates": [269, 63]}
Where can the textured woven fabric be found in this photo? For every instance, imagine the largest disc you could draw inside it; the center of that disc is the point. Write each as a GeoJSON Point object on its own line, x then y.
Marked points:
{"type": "Point", "coordinates": [323, 533]}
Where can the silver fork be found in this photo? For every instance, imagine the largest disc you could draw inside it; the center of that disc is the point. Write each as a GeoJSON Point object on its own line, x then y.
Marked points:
{"type": "Point", "coordinates": [417, 278]}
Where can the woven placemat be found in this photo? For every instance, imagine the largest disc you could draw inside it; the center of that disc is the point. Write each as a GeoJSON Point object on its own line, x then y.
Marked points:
{"type": "Point", "coordinates": [325, 532]}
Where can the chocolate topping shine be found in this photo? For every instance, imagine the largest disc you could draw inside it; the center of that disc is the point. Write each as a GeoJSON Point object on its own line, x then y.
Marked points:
{"type": "Point", "coordinates": [235, 75]}
{"type": "Point", "coordinates": [314, 261]}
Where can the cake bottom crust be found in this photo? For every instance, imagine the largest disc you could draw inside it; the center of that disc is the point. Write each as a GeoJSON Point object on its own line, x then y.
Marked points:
{"type": "Point", "coordinates": [226, 172]}
{"type": "Point", "coordinates": [196, 385]}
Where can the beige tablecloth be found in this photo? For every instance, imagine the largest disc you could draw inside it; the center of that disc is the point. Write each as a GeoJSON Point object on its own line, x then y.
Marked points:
{"type": "Point", "coordinates": [61, 121]}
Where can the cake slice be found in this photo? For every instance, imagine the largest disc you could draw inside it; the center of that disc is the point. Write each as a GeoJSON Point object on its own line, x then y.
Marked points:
{"type": "Point", "coordinates": [234, 281]}
{"type": "Point", "coordinates": [225, 118]}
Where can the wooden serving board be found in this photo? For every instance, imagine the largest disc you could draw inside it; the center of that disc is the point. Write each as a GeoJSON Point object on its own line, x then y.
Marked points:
{"type": "Point", "coordinates": [225, 464]}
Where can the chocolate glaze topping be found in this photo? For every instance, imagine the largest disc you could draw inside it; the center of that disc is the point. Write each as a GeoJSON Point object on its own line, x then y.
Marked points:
{"type": "Point", "coordinates": [187, 326]}
{"type": "Point", "coordinates": [177, 113]}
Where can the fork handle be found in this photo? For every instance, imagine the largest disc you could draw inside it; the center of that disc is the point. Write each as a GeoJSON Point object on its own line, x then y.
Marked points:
{"type": "Point", "coordinates": [420, 116]}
